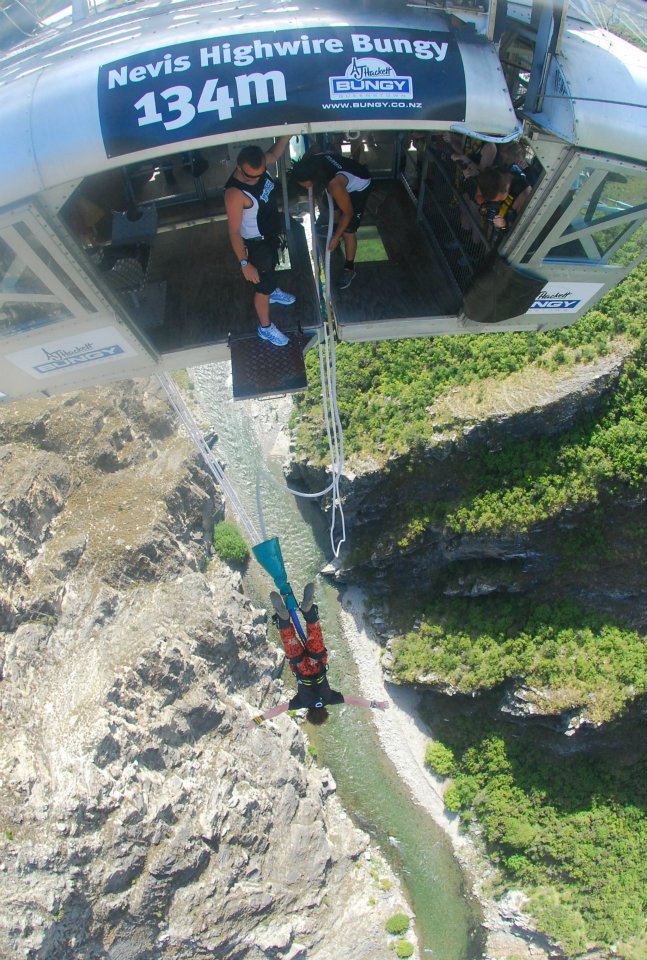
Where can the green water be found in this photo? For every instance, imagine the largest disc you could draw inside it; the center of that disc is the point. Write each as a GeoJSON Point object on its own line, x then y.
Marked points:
{"type": "Point", "coordinates": [367, 783]}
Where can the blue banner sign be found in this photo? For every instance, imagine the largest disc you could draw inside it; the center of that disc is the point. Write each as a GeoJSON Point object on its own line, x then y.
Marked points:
{"type": "Point", "coordinates": [204, 88]}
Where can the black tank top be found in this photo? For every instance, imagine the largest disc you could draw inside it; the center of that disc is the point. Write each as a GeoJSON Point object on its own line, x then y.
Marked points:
{"type": "Point", "coordinates": [333, 163]}
{"type": "Point", "coordinates": [265, 212]}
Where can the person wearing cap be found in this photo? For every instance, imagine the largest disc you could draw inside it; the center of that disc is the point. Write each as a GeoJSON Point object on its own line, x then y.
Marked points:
{"type": "Point", "coordinates": [348, 183]}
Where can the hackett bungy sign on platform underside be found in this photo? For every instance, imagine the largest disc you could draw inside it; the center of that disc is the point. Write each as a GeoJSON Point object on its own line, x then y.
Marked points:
{"type": "Point", "coordinates": [561, 297]}
{"type": "Point", "coordinates": [243, 82]}
{"type": "Point", "coordinates": [73, 354]}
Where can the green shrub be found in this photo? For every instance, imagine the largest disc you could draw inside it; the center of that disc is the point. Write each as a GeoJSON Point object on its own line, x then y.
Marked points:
{"type": "Point", "coordinates": [452, 799]}
{"type": "Point", "coordinates": [440, 759]}
{"type": "Point", "coordinates": [229, 544]}
{"type": "Point", "coordinates": [571, 833]}
{"type": "Point", "coordinates": [397, 924]}
{"type": "Point", "coordinates": [585, 659]}
{"type": "Point", "coordinates": [404, 948]}
{"type": "Point", "coordinates": [520, 867]}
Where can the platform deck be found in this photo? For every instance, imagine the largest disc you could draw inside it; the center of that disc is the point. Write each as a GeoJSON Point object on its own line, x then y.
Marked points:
{"type": "Point", "coordinates": [412, 282]}
{"type": "Point", "coordinates": [207, 298]}
{"type": "Point", "coordinates": [260, 369]}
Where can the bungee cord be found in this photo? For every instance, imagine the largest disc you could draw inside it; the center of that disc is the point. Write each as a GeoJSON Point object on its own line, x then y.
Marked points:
{"type": "Point", "coordinates": [332, 420]}
{"type": "Point", "coordinates": [179, 404]}
{"type": "Point", "coordinates": [328, 377]}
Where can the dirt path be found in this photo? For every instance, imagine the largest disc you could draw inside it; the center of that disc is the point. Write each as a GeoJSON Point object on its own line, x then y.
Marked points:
{"type": "Point", "coordinates": [402, 733]}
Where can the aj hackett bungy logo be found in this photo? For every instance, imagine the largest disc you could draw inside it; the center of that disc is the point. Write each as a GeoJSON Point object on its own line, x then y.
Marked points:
{"type": "Point", "coordinates": [370, 79]}
{"type": "Point", "coordinates": [72, 353]}
{"type": "Point", "coordinates": [564, 298]}
{"type": "Point", "coordinates": [61, 359]}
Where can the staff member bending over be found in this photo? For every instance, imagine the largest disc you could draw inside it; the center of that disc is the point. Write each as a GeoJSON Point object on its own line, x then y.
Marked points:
{"type": "Point", "coordinates": [308, 663]}
{"type": "Point", "coordinates": [348, 183]}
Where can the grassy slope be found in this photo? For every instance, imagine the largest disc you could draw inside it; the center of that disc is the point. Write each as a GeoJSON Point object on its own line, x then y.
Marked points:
{"type": "Point", "coordinates": [407, 386]}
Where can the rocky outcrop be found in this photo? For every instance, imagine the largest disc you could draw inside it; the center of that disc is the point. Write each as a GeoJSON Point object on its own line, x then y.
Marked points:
{"type": "Point", "coordinates": [33, 488]}
{"type": "Point", "coordinates": [139, 818]}
{"type": "Point", "coordinates": [379, 500]}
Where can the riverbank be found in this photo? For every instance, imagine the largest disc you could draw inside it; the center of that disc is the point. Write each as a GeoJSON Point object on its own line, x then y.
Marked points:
{"type": "Point", "coordinates": [404, 738]}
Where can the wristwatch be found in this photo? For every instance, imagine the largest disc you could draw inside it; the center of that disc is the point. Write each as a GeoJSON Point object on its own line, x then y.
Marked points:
{"type": "Point", "coordinates": [244, 263]}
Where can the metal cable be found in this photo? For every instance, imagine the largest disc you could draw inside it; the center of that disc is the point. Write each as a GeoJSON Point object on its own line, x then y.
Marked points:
{"type": "Point", "coordinates": [184, 414]}
{"type": "Point", "coordinates": [14, 24]}
{"type": "Point", "coordinates": [328, 376]}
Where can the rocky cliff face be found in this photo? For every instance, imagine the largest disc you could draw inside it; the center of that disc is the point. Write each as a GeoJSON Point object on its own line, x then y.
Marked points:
{"type": "Point", "coordinates": [453, 564]}
{"type": "Point", "coordinates": [439, 562]}
{"type": "Point", "coordinates": [139, 819]}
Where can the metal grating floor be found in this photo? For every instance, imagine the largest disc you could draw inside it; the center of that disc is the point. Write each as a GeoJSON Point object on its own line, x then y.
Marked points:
{"type": "Point", "coordinates": [260, 369]}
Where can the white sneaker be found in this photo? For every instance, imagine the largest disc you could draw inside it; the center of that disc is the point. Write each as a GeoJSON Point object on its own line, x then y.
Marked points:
{"type": "Point", "coordinates": [280, 296]}
{"type": "Point", "coordinates": [279, 606]}
{"type": "Point", "coordinates": [273, 334]}
{"type": "Point", "coordinates": [308, 597]}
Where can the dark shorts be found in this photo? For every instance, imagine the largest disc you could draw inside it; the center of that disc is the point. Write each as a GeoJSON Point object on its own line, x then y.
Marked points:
{"type": "Point", "coordinates": [358, 200]}
{"type": "Point", "coordinates": [264, 254]}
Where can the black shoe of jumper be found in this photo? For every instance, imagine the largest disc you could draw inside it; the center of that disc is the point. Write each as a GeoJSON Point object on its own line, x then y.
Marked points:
{"type": "Point", "coordinates": [279, 606]}
{"type": "Point", "coordinates": [347, 278]}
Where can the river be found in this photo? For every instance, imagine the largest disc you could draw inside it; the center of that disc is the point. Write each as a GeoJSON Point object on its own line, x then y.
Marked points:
{"type": "Point", "coordinates": [367, 783]}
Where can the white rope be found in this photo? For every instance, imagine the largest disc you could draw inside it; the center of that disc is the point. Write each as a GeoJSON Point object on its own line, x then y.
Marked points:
{"type": "Point", "coordinates": [486, 137]}
{"type": "Point", "coordinates": [329, 397]}
{"type": "Point", "coordinates": [332, 421]}
{"type": "Point", "coordinates": [179, 405]}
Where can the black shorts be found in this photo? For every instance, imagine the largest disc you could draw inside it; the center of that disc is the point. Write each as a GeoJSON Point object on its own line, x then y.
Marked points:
{"type": "Point", "coordinates": [315, 695]}
{"type": "Point", "coordinates": [358, 203]}
{"type": "Point", "coordinates": [358, 200]}
{"type": "Point", "coordinates": [264, 254]}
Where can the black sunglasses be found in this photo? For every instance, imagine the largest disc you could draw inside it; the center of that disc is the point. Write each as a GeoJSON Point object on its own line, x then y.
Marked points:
{"type": "Point", "coordinates": [252, 176]}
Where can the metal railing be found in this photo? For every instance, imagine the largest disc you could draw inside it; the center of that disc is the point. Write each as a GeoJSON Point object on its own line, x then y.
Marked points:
{"type": "Point", "coordinates": [454, 225]}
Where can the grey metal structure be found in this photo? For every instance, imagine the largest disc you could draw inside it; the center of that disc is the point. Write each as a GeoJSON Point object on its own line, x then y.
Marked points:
{"type": "Point", "coordinates": [578, 94]}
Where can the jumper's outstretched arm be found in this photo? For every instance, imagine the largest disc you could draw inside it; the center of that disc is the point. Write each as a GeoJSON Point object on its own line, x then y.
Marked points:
{"type": "Point", "coordinates": [282, 707]}
{"type": "Point", "coordinates": [361, 702]}
{"type": "Point", "coordinates": [273, 712]}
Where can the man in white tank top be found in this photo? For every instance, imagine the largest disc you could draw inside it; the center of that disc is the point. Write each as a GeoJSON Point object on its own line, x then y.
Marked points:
{"type": "Point", "coordinates": [254, 224]}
